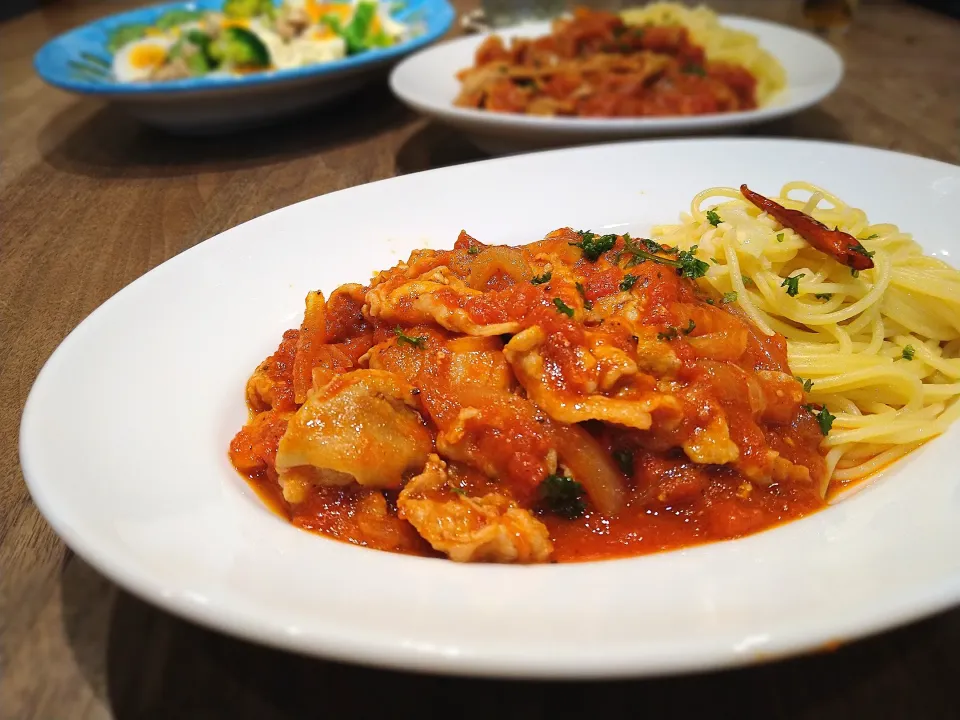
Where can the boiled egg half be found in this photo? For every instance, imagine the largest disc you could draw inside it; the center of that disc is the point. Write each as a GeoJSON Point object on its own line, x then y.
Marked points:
{"type": "Point", "coordinates": [137, 60]}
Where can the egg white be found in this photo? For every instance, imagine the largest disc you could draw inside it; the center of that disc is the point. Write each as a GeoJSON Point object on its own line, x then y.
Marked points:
{"type": "Point", "coordinates": [307, 50]}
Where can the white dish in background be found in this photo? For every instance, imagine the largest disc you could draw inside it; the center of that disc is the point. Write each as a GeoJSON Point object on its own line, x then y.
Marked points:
{"type": "Point", "coordinates": [426, 82]}
{"type": "Point", "coordinates": [124, 443]}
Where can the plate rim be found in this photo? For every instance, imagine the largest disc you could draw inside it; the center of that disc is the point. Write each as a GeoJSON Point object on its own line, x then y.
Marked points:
{"type": "Point", "coordinates": [907, 606]}
{"type": "Point", "coordinates": [440, 12]}
{"type": "Point", "coordinates": [586, 126]}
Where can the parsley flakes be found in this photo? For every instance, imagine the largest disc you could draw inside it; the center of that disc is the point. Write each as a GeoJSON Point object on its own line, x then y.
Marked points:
{"type": "Point", "coordinates": [541, 279]}
{"type": "Point", "coordinates": [672, 333]}
{"type": "Point", "coordinates": [628, 282]}
{"type": "Point", "coordinates": [729, 297]}
{"type": "Point", "coordinates": [419, 341]}
{"type": "Point", "coordinates": [908, 352]}
{"type": "Point", "coordinates": [792, 284]}
{"type": "Point", "coordinates": [587, 305]}
{"type": "Point", "coordinates": [563, 307]}
{"type": "Point", "coordinates": [713, 218]}
{"type": "Point", "coordinates": [563, 496]}
{"type": "Point", "coordinates": [823, 416]}
{"type": "Point", "coordinates": [624, 459]}
{"type": "Point", "coordinates": [686, 263]}
{"type": "Point", "coordinates": [594, 245]}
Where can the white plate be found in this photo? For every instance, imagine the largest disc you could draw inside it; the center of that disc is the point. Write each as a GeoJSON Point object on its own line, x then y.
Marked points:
{"type": "Point", "coordinates": [124, 443]}
{"type": "Point", "coordinates": [426, 82]}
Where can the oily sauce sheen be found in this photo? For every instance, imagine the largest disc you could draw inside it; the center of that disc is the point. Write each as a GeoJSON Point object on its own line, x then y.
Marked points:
{"type": "Point", "coordinates": [530, 404]}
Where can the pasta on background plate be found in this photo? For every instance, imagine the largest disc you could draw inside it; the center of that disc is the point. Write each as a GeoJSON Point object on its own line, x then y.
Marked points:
{"type": "Point", "coordinates": [593, 395]}
{"type": "Point", "coordinates": [663, 60]}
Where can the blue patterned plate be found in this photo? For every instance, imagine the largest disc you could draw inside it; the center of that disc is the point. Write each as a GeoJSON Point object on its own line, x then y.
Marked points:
{"type": "Point", "coordinates": [78, 61]}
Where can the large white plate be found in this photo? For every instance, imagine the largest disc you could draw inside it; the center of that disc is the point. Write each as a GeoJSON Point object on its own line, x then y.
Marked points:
{"type": "Point", "coordinates": [426, 82]}
{"type": "Point", "coordinates": [124, 438]}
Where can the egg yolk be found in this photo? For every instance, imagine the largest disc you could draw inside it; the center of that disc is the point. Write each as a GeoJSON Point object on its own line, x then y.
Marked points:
{"type": "Point", "coordinates": [147, 56]}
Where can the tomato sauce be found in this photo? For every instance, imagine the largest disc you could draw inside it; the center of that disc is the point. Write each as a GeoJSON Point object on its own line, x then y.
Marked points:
{"type": "Point", "coordinates": [725, 447]}
{"type": "Point", "coordinates": [594, 65]}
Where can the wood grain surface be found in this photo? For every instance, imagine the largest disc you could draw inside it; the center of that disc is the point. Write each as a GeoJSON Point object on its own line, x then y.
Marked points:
{"type": "Point", "coordinates": [90, 200]}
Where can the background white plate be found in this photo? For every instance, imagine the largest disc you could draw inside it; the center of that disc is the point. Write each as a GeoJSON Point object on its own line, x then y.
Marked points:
{"type": "Point", "coordinates": [124, 438]}
{"type": "Point", "coordinates": [426, 82]}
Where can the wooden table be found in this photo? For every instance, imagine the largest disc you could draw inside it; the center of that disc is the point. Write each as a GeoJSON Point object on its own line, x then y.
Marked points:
{"type": "Point", "coordinates": [90, 200]}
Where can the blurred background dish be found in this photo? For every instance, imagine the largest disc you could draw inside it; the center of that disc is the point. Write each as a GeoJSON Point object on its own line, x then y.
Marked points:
{"type": "Point", "coordinates": [428, 83]}
{"type": "Point", "coordinates": [142, 59]}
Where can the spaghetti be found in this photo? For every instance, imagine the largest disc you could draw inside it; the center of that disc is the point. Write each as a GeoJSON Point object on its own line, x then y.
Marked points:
{"type": "Point", "coordinates": [880, 348]}
{"type": "Point", "coordinates": [721, 44]}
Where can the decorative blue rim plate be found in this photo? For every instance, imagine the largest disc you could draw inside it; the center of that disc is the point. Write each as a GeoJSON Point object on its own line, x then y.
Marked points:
{"type": "Point", "coordinates": [78, 60]}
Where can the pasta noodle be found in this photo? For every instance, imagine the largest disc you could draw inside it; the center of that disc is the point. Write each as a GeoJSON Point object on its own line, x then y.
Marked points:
{"type": "Point", "coordinates": [879, 348]}
{"type": "Point", "coordinates": [720, 43]}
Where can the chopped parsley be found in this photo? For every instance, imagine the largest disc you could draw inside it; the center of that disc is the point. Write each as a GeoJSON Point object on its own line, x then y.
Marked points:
{"type": "Point", "coordinates": [747, 281]}
{"type": "Point", "coordinates": [729, 297]}
{"type": "Point", "coordinates": [473, 249]}
{"type": "Point", "coordinates": [872, 237]}
{"type": "Point", "coordinates": [628, 282]}
{"type": "Point", "coordinates": [456, 488]}
{"type": "Point", "coordinates": [854, 272]}
{"type": "Point", "coordinates": [541, 279]}
{"type": "Point", "coordinates": [594, 245]}
{"type": "Point", "coordinates": [693, 69]}
{"type": "Point", "coordinates": [583, 293]}
{"type": "Point", "coordinates": [823, 416]}
{"type": "Point", "coordinates": [715, 261]}
{"type": "Point", "coordinates": [691, 326]}
{"type": "Point", "coordinates": [624, 458]}
{"type": "Point", "coordinates": [419, 341]}
{"type": "Point", "coordinates": [823, 296]}
{"type": "Point", "coordinates": [779, 237]}
{"type": "Point", "coordinates": [806, 382]}
{"type": "Point", "coordinates": [908, 352]}
{"type": "Point", "coordinates": [792, 284]}
{"type": "Point", "coordinates": [713, 218]}
{"type": "Point", "coordinates": [563, 496]}
{"type": "Point", "coordinates": [687, 264]}
{"type": "Point", "coordinates": [563, 307]}
{"type": "Point", "coordinates": [671, 333]}
{"type": "Point", "coordinates": [858, 248]}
